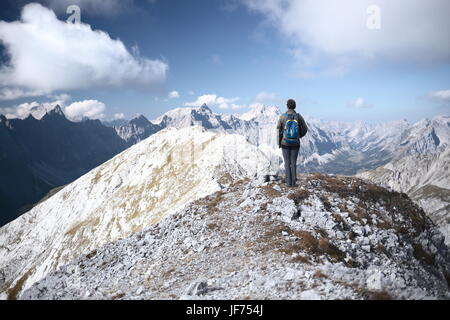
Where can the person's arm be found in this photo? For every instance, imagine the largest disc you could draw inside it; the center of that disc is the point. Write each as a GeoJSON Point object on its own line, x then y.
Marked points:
{"type": "Point", "coordinates": [303, 123]}
{"type": "Point", "coordinates": [280, 131]}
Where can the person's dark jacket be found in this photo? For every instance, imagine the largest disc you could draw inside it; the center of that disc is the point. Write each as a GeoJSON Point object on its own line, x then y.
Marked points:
{"type": "Point", "coordinates": [280, 127]}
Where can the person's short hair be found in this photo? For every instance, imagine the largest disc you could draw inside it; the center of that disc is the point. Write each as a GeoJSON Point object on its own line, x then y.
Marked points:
{"type": "Point", "coordinates": [291, 104]}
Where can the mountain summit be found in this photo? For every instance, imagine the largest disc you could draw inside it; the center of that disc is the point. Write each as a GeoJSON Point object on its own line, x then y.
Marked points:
{"type": "Point", "coordinates": [333, 238]}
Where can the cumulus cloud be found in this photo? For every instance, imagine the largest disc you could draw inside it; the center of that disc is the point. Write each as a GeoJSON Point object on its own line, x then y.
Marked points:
{"type": "Point", "coordinates": [360, 103]}
{"type": "Point", "coordinates": [213, 100]}
{"type": "Point", "coordinates": [8, 93]}
{"type": "Point", "coordinates": [174, 95]}
{"type": "Point", "coordinates": [47, 55]}
{"type": "Point", "coordinates": [91, 109]}
{"type": "Point", "coordinates": [329, 37]}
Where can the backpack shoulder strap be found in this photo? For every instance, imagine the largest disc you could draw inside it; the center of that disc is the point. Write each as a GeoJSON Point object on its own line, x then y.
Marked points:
{"type": "Point", "coordinates": [289, 115]}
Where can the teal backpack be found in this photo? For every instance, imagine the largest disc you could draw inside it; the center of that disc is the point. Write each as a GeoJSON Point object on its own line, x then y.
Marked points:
{"type": "Point", "coordinates": [291, 132]}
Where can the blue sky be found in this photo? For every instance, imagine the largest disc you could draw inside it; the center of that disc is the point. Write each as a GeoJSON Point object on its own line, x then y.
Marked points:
{"type": "Point", "coordinates": [243, 52]}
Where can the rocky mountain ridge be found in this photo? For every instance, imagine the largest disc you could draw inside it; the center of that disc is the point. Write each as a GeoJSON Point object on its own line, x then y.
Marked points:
{"type": "Point", "coordinates": [332, 237]}
{"type": "Point", "coordinates": [136, 188]}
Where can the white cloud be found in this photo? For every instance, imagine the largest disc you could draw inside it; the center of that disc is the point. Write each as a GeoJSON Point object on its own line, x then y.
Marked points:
{"type": "Point", "coordinates": [174, 95]}
{"type": "Point", "coordinates": [264, 96]}
{"type": "Point", "coordinates": [7, 93]}
{"type": "Point", "coordinates": [360, 103]}
{"type": "Point", "coordinates": [49, 55]}
{"type": "Point", "coordinates": [442, 95]}
{"type": "Point", "coordinates": [118, 116]}
{"type": "Point", "coordinates": [329, 37]}
{"type": "Point", "coordinates": [63, 97]}
{"type": "Point", "coordinates": [91, 109]}
{"type": "Point", "coordinates": [213, 100]}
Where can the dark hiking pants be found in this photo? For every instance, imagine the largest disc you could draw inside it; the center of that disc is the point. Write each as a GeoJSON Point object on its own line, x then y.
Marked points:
{"type": "Point", "coordinates": [290, 155]}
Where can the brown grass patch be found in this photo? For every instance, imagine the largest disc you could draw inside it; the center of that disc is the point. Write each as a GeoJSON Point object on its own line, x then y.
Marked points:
{"type": "Point", "coordinates": [300, 259]}
{"type": "Point", "coordinates": [381, 249]}
{"type": "Point", "coordinates": [12, 293]}
{"type": "Point", "coordinates": [212, 226]}
{"type": "Point", "coordinates": [212, 204]}
{"type": "Point", "coordinates": [168, 273]}
{"type": "Point", "coordinates": [91, 254]}
{"type": "Point", "coordinates": [326, 204]}
{"type": "Point", "coordinates": [118, 296]}
{"type": "Point", "coordinates": [324, 244]}
{"type": "Point", "coordinates": [270, 192]}
{"type": "Point", "coordinates": [299, 195]}
{"type": "Point", "coordinates": [339, 218]}
{"type": "Point", "coordinates": [379, 295]}
{"type": "Point", "coordinates": [321, 246]}
{"type": "Point", "coordinates": [97, 177]}
{"type": "Point", "coordinates": [319, 274]}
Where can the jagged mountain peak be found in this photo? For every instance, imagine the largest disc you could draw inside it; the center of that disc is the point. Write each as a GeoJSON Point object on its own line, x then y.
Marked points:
{"type": "Point", "coordinates": [259, 111]}
{"type": "Point", "coordinates": [135, 189]}
{"type": "Point", "coordinates": [140, 120]}
{"type": "Point", "coordinates": [3, 119]}
{"type": "Point", "coordinates": [54, 113]}
{"type": "Point", "coordinates": [192, 116]}
{"type": "Point", "coordinates": [184, 111]}
{"type": "Point", "coordinates": [137, 129]}
{"type": "Point", "coordinates": [332, 238]}
{"type": "Point", "coordinates": [204, 107]}
{"type": "Point", "coordinates": [39, 111]}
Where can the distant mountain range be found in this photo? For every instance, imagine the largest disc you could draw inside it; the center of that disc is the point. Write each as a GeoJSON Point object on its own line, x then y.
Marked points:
{"type": "Point", "coordinates": [37, 155]}
{"type": "Point", "coordinates": [330, 147]}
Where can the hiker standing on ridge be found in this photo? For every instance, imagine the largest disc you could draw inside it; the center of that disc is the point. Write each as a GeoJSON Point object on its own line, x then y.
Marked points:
{"type": "Point", "coordinates": [291, 127]}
